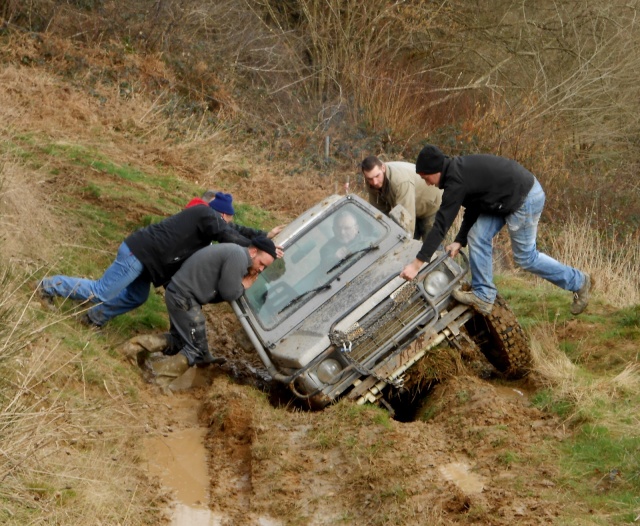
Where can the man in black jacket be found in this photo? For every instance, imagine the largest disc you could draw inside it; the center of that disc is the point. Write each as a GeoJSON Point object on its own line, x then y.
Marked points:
{"type": "Point", "coordinates": [150, 255]}
{"type": "Point", "coordinates": [494, 191]}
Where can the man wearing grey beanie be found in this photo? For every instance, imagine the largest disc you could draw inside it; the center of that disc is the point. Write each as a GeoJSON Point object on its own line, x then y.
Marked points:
{"type": "Point", "coordinates": [494, 192]}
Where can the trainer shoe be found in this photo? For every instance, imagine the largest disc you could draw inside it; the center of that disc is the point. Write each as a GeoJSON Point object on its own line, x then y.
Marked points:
{"type": "Point", "coordinates": [45, 299]}
{"type": "Point", "coordinates": [581, 297]}
{"type": "Point", "coordinates": [85, 320]}
{"type": "Point", "coordinates": [469, 298]}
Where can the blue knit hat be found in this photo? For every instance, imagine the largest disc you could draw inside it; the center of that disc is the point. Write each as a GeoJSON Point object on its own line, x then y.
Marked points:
{"type": "Point", "coordinates": [222, 203]}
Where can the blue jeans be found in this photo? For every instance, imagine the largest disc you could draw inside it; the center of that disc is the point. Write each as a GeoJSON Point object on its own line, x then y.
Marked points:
{"type": "Point", "coordinates": [523, 229]}
{"type": "Point", "coordinates": [120, 289]}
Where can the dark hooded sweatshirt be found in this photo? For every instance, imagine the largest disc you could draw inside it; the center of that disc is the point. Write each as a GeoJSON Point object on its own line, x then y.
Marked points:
{"type": "Point", "coordinates": [483, 184]}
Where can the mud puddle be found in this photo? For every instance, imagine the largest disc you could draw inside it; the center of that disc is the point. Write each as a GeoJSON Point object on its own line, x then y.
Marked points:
{"type": "Point", "coordinates": [177, 456]}
{"type": "Point", "coordinates": [517, 394]}
{"type": "Point", "coordinates": [179, 460]}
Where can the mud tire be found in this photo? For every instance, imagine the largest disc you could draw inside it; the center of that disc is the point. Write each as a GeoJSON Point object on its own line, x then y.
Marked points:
{"type": "Point", "coordinates": [502, 340]}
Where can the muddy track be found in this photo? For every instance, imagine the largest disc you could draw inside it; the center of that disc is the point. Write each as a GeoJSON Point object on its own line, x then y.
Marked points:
{"type": "Point", "coordinates": [228, 443]}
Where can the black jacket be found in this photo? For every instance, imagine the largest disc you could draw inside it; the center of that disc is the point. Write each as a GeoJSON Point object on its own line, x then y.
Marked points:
{"type": "Point", "coordinates": [164, 246]}
{"type": "Point", "coordinates": [483, 184]}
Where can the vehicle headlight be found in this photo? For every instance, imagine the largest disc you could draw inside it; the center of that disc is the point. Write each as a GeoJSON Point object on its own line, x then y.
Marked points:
{"type": "Point", "coordinates": [328, 370]}
{"type": "Point", "coordinates": [436, 282]}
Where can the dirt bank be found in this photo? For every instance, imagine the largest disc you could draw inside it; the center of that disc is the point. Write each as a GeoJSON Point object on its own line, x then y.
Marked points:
{"type": "Point", "coordinates": [473, 453]}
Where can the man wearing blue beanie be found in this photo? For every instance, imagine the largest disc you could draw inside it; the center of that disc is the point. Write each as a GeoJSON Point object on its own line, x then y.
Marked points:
{"type": "Point", "coordinates": [223, 204]}
{"type": "Point", "coordinates": [152, 254]}
{"type": "Point", "coordinates": [494, 192]}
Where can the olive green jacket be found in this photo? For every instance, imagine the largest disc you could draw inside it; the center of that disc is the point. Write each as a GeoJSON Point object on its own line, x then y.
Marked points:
{"type": "Point", "coordinates": [403, 186]}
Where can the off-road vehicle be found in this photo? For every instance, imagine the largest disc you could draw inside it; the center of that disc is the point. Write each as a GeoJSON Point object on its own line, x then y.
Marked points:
{"type": "Point", "coordinates": [333, 318]}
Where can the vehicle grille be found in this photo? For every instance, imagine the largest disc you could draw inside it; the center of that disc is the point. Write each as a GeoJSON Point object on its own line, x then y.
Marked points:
{"type": "Point", "coordinates": [385, 327]}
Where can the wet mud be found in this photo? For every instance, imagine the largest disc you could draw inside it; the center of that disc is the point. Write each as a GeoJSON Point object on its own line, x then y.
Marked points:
{"type": "Point", "coordinates": [234, 452]}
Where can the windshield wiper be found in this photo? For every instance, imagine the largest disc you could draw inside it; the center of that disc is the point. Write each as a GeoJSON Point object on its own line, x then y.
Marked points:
{"type": "Point", "coordinates": [295, 300]}
{"type": "Point", "coordinates": [349, 256]}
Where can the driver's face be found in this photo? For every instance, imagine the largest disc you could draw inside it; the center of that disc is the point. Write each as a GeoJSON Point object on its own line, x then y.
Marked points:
{"type": "Point", "coordinates": [346, 229]}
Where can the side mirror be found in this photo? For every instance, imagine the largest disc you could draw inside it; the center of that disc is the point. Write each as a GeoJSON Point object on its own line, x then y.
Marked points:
{"type": "Point", "coordinates": [401, 217]}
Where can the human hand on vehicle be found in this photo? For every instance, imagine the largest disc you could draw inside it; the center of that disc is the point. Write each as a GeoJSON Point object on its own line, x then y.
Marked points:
{"type": "Point", "coordinates": [249, 279]}
{"type": "Point", "coordinates": [453, 249]}
{"type": "Point", "coordinates": [279, 252]}
{"type": "Point", "coordinates": [411, 270]}
{"type": "Point", "coordinates": [275, 231]}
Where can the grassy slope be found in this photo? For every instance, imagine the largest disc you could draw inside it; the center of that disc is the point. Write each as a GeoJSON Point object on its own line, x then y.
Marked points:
{"type": "Point", "coordinates": [71, 408]}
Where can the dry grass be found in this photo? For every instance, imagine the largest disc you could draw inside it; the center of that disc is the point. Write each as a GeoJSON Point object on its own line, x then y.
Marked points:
{"type": "Point", "coordinates": [587, 394]}
{"type": "Point", "coordinates": [67, 419]}
{"type": "Point", "coordinates": [66, 424]}
{"type": "Point", "coordinates": [614, 263]}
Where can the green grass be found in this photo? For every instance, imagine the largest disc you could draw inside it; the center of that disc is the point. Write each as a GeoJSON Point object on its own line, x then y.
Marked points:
{"type": "Point", "coordinates": [545, 400]}
{"type": "Point", "coordinates": [602, 469]}
{"type": "Point", "coordinates": [600, 458]}
{"type": "Point", "coordinates": [506, 458]}
{"type": "Point", "coordinates": [623, 324]}
{"type": "Point", "coordinates": [534, 303]}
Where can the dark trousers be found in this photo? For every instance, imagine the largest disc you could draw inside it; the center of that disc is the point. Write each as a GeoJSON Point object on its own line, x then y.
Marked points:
{"type": "Point", "coordinates": [188, 327]}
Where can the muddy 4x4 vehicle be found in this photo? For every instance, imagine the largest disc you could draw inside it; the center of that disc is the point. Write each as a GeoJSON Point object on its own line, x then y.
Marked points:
{"type": "Point", "coordinates": [332, 320]}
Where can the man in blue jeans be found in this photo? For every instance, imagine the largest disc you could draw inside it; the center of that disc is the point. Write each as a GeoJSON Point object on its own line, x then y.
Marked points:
{"type": "Point", "coordinates": [494, 191]}
{"type": "Point", "coordinates": [150, 255]}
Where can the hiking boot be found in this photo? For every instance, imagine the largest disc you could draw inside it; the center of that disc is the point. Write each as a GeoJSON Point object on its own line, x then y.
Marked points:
{"type": "Point", "coordinates": [581, 297]}
{"type": "Point", "coordinates": [469, 298]}
{"type": "Point", "coordinates": [88, 322]}
{"type": "Point", "coordinates": [138, 348]}
{"type": "Point", "coordinates": [171, 367]}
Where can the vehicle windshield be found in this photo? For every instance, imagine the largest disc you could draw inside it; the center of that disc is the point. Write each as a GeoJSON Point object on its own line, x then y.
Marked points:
{"type": "Point", "coordinates": [312, 261]}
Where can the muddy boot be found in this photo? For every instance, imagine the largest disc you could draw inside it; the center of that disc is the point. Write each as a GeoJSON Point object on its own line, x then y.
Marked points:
{"type": "Point", "coordinates": [581, 297]}
{"type": "Point", "coordinates": [209, 359]}
{"type": "Point", "coordinates": [469, 298]}
{"type": "Point", "coordinates": [171, 367]}
{"type": "Point", "coordinates": [138, 348]}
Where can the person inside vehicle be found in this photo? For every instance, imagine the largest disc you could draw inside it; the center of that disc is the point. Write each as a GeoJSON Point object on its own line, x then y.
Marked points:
{"type": "Point", "coordinates": [345, 232]}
